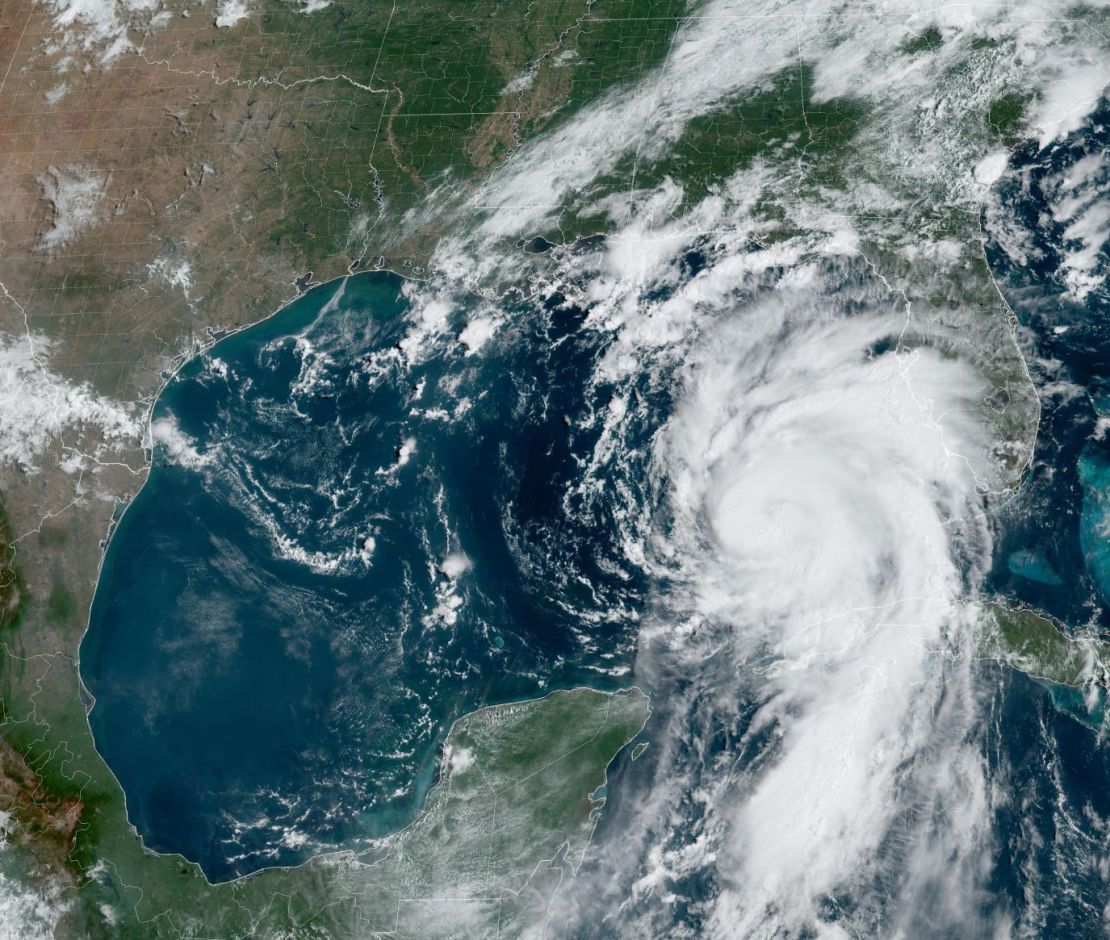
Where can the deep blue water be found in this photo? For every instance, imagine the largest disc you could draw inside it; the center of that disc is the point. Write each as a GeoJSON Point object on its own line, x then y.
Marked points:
{"type": "Point", "coordinates": [268, 682]}
{"type": "Point", "coordinates": [1051, 530]}
{"type": "Point", "coordinates": [343, 552]}
{"type": "Point", "coordinates": [1054, 550]}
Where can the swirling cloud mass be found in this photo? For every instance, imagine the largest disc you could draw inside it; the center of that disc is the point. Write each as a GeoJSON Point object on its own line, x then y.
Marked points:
{"type": "Point", "coordinates": [805, 404]}
{"type": "Point", "coordinates": [821, 515]}
{"type": "Point", "coordinates": [816, 518]}
{"type": "Point", "coordinates": [813, 523]}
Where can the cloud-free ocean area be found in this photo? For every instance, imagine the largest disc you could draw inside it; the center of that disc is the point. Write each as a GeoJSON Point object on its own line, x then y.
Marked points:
{"type": "Point", "coordinates": [343, 545]}
{"type": "Point", "coordinates": [723, 477]}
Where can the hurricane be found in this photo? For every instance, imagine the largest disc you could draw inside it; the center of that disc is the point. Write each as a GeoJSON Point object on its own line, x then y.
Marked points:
{"type": "Point", "coordinates": [769, 448]}
{"type": "Point", "coordinates": [813, 530]}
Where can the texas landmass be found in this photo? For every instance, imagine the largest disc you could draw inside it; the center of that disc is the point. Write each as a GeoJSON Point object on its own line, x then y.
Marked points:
{"type": "Point", "coordinates": [174, 172]}
{"type": "Point", "coordinates": [170, 173]}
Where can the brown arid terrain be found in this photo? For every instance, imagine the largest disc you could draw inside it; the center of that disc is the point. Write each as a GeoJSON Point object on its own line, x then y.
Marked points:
{"type": "Point", "coordinates": [171, 173]}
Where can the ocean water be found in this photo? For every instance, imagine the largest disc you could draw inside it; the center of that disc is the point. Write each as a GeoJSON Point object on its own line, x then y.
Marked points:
{"type": "Point", "coordinates": [1046, 744]}
{"type": "Point", "coordinates": [1032, 851]}
{"type": "Point", "coordinates": [343, 546]}
{"type": "Point", "coordinates": [349, 537]}
{"type": "Point", "coordinates": [1055, 529]}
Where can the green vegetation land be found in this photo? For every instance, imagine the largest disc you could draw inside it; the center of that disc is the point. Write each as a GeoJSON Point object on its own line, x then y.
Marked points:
{"type": "Point", "coordinates": [506, 823]}
{"type": "Point", "coordinates": [1042, 648]}
{"type": "Point", "coordinates": [376, 106]}
{"type": "Point", "coordinates": [288, 142]}
{"type": "Point", "coordinates": [779, 124]}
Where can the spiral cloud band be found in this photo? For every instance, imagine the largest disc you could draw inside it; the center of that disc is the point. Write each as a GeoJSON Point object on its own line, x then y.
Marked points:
{"type": "Point", "coordinates": [816, 490]}
{"type": "Point", "coordinates": [818, 530]}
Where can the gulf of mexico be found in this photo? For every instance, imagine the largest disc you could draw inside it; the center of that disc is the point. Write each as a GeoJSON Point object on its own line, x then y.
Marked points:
{"type": "Point", "coordinates": [341, 548]}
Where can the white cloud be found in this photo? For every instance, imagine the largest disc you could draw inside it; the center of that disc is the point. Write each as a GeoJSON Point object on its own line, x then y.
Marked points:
{"type": "Point", "coordinates": [31, 908]}
{"type": "Point", "coordinates": [429, 313]}
{"type": "Point", "coordinates": [76, 196]}
{"type": "Point", "coordinates": [173, 273]}
{"type": "Point", "coordinates": [38, 406]}
{"type": "Point", "coordinates": [26, 914]}
{"type": "Point", "coordinates": [990, 169]}
{"type": "Point", "coordinates": [99, 28]}
{"type": "Point", "coordinates": [177, 447]}
{"type": "Point", "coordinates": [477, 332]}
{"type": "Point", "coordinates": [925, 131]}
{"type": "Point", "coordinates": [813, 493]}
{"type": "Point", "coordinates": [458, 759]}
{"type": "Point", "coordinates": [1076, 82]}
{"type": "Point", "coordinates": [1077, 199]}
{"type": "Point", "coordinates": [455, 565]}
{"type": "Point", "coordinates": [812, 488]}
{"type": "Point", "coordinates": [231, 12]}
{"type": "Point", "coordinates": [405, 451]}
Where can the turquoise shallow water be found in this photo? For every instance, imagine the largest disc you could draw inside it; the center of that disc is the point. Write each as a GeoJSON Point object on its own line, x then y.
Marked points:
{"type": "Point", "coordinates": [1032, 564]}
{"type": "Point", "coordinates": [1094, 527]}
{"type": "Point", "coordinates": [1047, 744]}
{"type": "Point", "coordinates": [339, 550]}
{"type": "Point", "coordinates": [336, 554]}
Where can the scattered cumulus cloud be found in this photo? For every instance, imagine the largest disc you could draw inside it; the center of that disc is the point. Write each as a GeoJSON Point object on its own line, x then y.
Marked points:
{"type": "Point", "coordinates": [175, 274]}
{"type": "Point", "coordinates": [76, 195]}
{"type": "Point", "coordinates": [98, 28]}
{"type": "Point", "coordinates": [231, 12]}
{"type": "Point", "coordinates": [1077, 196]}
{"type": "Point", "coordinates": [30, 909]}
{"type": "Point", "coordinates": [477, 332]}
{"type": "Point", "coordinates": [177, 446]}
{"type": "Point", "coordinates": [37, 406]}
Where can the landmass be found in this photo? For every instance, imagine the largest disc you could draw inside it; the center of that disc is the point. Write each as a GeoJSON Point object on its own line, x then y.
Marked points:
{"type": "Point", "coordinates": [172, 172]}
{"type": "Point", "coordinates": [169, 173]}
{"type": "Point", "coordinates": [1042, 647]}
{"type": "Point", "coordinates": [507, 821]}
